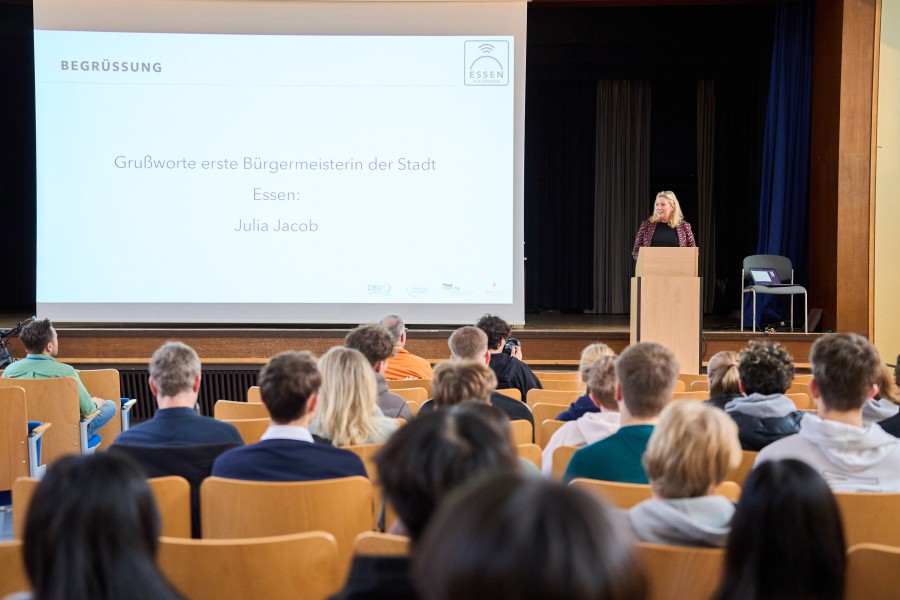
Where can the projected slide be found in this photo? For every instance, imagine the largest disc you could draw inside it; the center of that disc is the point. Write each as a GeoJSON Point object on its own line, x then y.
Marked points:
{"type": "Point", "coordinates": [242, 169]}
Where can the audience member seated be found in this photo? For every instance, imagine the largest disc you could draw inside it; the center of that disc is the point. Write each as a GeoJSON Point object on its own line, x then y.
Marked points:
{"type": "Point", "coordinates": [506, 362]}
{"type": "Point", "coordinates": [764, 414]}
{"type": "Point", "coordinates": [645, 378]}
{"type": "Point", "coordinates": [175, 381]}
{"type": "Point", "coordinates": [471, 344]}
{"type": "Point", "coordinates": [346, 412]}
{"type": "Point", "coordinates": [498, 419]}
{"type": "Point", "coordinates": [591, 426]}
{"type": "Point", "coordinates": [42, 344]}
{"type": "Point", "coordinates": [584, 404]}
{"type": "Point", "coordinates": [289, 385]}
{"type": "Point", "coordinates": [92, 532]}
{"type": "Point", "coordinates": [377, 346]}
{"type": "Point", "coordinates": [850, 456]}
{"type": "Point", "coordinates": [692, 449]}
{"type": "Point", "coordinates": [403, 364]}
{"type": "Point", "coordinates": [514, 537]}
{"type": "Point", "coordinates": [417, 468]}
{"type": "Point", "coordinates": [786, 537]}
{"type": "Point", "coordinates": [724, 378]}
{"type": "Point", "coordinates": [886, 403]}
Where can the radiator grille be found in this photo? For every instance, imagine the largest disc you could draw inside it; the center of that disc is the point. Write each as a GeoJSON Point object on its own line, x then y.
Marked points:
{"type": "Point", "coordinates": [215, 385]}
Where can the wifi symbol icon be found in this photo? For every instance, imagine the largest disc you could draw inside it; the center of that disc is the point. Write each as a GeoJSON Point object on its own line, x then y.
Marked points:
{"type": "Point", "coordinates": [486, 48]}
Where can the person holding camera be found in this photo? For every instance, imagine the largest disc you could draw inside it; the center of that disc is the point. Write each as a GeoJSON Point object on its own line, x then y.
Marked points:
{"type": "Point", "coordinates": [506, 356]}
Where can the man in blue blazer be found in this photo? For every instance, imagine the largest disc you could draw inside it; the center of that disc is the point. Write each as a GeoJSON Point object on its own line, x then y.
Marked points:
{"type": "Point", "coordinates": [289, 384]}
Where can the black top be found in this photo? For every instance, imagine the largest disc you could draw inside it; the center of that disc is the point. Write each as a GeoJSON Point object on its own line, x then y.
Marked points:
{"type": "Point", "coordinates": [664, 236]}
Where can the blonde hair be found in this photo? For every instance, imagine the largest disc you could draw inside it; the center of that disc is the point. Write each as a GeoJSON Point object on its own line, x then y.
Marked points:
{"type": "Point", "coordinates": [887, 388]}
{"type": "Point", "coordinates": [589, 355]}
{"type": "Point", "coordinates": [456, 382]}
{"type": "Point", "coordinates": [347, 397]}
{"type": "Point", "coordinates": [722, 373]}
{"type": "Point", "coordinates": [677, 216]}
{"type": "Point", "coordinates": [692, 448]}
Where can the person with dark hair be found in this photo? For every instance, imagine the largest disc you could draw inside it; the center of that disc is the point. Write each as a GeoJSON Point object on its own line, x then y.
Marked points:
{"type": "Point", "coordinates": [175, 381]}
{"type": "Point", "coordinates": [377, 345]}
{"type": "Point", "coordinates": [849, 455]}
{"type": "Point", "coordinates": [645, 378]}
{"type": "Point", "coordinates": [786, 537]}
{"type": "Point", "coordinates": [42, 344]}
{"type": "Point", "coordinates": [418, 466]}
{"type": "Point", "coordinates": [516, 537]}
{"type": "Point", "coordinates": [764, 414]}
{"type": "Point", "coordinates": [288, 384]}
{"type": "Point", "coordinates": [507, 364]}
{"type": "Point", "coordinates": [591, 426]}
{"type": "Point", "coordinates": [724, 378]}
{"type": "Point", "coordinates": [403, 364]}
{"type": "Point", "coordinates": [92, 532]}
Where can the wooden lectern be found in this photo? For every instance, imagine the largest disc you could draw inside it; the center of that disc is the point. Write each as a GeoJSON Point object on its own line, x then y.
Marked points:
{"type": "Point", "coordinates": [665, 303]}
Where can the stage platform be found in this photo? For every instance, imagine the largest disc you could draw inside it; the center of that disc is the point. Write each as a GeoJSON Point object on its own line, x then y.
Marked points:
{"type": "Point", "coordinates": [549, 341]}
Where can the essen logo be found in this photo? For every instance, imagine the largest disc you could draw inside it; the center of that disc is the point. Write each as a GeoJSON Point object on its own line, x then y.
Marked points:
{"type": "Point", "coordinates": [486, 62]}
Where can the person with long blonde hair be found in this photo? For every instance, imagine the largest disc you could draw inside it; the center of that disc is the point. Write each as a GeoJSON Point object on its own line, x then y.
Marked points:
{"type": "Point", "coordinates": [347, 413]}
{"type": "Point", "coordinates": [666, 227]}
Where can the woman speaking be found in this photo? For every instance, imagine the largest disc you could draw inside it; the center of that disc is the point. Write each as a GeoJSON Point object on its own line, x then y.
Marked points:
{"type": "Point", "coordinates": [676, 232]}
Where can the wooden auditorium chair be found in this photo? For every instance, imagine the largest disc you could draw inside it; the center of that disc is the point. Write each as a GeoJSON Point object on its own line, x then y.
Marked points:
{"type": "Point", "coordinates": [545, 412]}
{"type": "Point", "coordinates": [873, 572]}
{"type": "Point", "coordinates": [696, 396]}
{"type": "Point", "coordinates": [563, 386]}
{"type": "Point", "coordinates": [250, 429]}
{"type": "Point", "coordinates": [557, 376]}
{"type": "Point", "coordinates": [253, 395]}
{"type": "Point", "coordinates": [530, 452]}
{"type": "Point", "coordinates": [416, 394]}
{"type": "Point", "coordinates": [739, 474]}
{"type": "Point", "coordinates": [106, 384]}
{"type": "Point", "coordinates": [561, 397]}
{"type": "Point", "coordinates": [374, 543]}
{"type": "Point", "coordinates": [19, 447]}
{"type": "Point", "coordinates": [870, 517]}
{"type": "Point", "coordinates": [300, 566]}
{"type": "Point", "coordinates": [513, 393]}
{"type": "Point", "coordinates": [56, 401]}
{"type": "Point", "coordinates": [13, 577]}
{"type": "Point", "coordinates": [627, 495]}
{"type": "Point", "coordinates": [522, 431]}
{"type": "Point", "coordinates": [396, 384]}
{"type": "Point", "coordinates": [681, 573]}
{"type": "Point", "coordinates": [802, 401]}
{"type": "Point", "coordinates": [366, 453]}
{"type": "Point", "coordinates": [561, 458]}
{"type": "Point", "coordinates": [229, 409]}
{"type": "Point", "coordinates": [546, 431]}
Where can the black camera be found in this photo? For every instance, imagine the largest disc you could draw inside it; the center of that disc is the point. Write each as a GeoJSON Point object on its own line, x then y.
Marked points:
{"type": "Point", "coordinates": [508, 346]}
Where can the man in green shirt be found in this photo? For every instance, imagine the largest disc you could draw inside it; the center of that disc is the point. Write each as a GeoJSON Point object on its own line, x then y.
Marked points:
{"type": "Point", "coordinates": [40, 340]}
{"type": "Point", "coordinates": [645, 379]}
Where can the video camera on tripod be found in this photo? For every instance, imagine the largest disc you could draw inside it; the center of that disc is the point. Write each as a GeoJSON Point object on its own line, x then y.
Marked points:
{"type": "Point", "coordinates": [5, 357]}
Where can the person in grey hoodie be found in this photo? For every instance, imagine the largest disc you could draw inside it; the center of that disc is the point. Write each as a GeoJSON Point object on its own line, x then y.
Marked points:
{"type": "Point", "coordinates": [850, 456]}
{"type": "Point", "coordinates": [691, 451]}
{"type": "Point", "coordinates": [764, 414]}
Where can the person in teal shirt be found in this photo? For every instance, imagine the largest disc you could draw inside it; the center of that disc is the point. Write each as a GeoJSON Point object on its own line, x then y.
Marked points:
{"type": "Point", "coordinates": [40, 340]}
{"type": "Point", "coordinates": [645, 379]}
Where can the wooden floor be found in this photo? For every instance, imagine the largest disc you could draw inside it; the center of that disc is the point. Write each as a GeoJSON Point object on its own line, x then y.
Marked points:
{"type": "Point", "coordinates": [549, 340]}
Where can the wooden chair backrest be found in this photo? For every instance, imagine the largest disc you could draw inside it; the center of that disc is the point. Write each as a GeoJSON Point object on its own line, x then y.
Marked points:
{"type": "Point", "coordinates": [739, 475]}
{"type": "Point", "coordinates": [374, 543]}
{"type": "Point", "coordinates": [297, 566]}
{"type": "Point", "coordinates": [802, 401]}
{"type": "Point", "coordinates": [522, 431]}
{"type": "Point", "coordinates": [13, 436]}
{"type": "Point", "coordinates": [53, 401]}
{"type": "Point", "coordinates": [699, 386]}
{"type": "Point", "coordinates": [104, 383]}
{"type": "Point", "coordinates": [558, 375]}
{"type": "Point", "coordinates": [547, 429]}
{"type": "Point", "coordinates": [253, 395]}
{"type": "Point", "coordinates": [545, 396]}
{"type": "Point", "coordinates": [250, 429]}
{"type": "Point", "coordinates": [542, 411]}
{"type": "Point", "coordinates": [798, 388]}
{"type": "Point", "coordinates": [697, 396]}
{"type": "Point", "coordinates": [416, 394]}
{"type": "Point", "coordinates": [802, 379]}
{"type": "Point", "coordinates": [413, 407]}
{"type": "Point", "coordinates": [513, 393]}
{"type": "Point", "coordinates": [626, 495]}
{"type": "Point", "coordinates": [22, 491]}
{"type": "Point", "coordinates": [681, 573]}
{"type": "Point", "coordinates": [366, 453]}
{"type": "Point", "coordinates": [868, 517]}
{"type": "Point", "coordinates": [13, 577]}
{"type": "Point", "coordinates": [398, 384]}
{"type": "Point", "coordinates": [873, 572]}
{"type": "Point", "coordinates": [689, 378]}
{"type": "Point", "coordinates": [564, 386]}
{"type": "Point", "coordinates": [530, 452]}
{"type": "Point", "coordinates": [232, 508]}
{"type": "Point", "coordinates": [229, 409]}
{"type": "Point", "coordinates": [173, 499]}
{"type": "Point", "coordinates": [680, 386]}
{"type": "Point", "coordinates": [561, 458]}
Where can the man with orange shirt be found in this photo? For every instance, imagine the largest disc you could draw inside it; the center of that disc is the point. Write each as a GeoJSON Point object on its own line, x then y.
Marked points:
{"type": "Point", "coordinates": [403, 365]}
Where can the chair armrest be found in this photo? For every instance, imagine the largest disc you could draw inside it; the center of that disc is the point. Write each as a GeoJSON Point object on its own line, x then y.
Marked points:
{"type": "Point", "coordinates": [39, 430]}
{"type": "Point", "coordinates": [127, 406]}
{"type": "Point", "coordinates": [88, 418]}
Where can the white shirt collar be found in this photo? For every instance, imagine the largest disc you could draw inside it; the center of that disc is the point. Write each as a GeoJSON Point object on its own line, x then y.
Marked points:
{"type": "Point", "coordinates": [287, 432]}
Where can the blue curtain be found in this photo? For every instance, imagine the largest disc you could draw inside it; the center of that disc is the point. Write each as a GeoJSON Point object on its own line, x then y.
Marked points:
{"type": "Point", "coordinates": [784, 200]}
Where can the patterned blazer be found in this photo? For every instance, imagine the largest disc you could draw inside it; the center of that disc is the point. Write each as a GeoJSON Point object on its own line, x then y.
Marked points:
{"type": "Point", "coordinates": [645, 236]}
